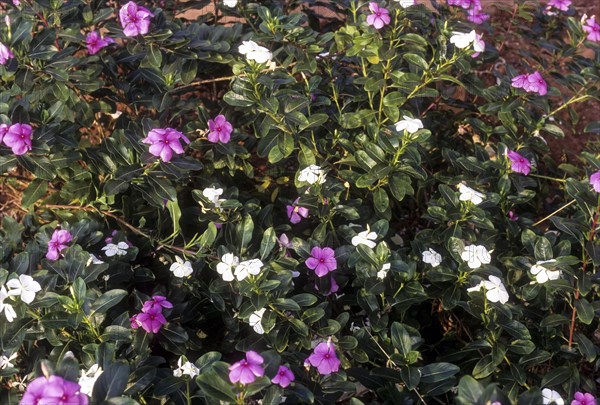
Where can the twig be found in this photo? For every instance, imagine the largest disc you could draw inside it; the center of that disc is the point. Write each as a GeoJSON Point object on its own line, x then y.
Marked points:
{"type": "Point", "coordinates": [555, 212]}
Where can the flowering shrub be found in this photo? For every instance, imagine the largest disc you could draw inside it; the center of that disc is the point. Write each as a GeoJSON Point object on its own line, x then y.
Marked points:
{"type": "Point", "coordinates": [297, 208]}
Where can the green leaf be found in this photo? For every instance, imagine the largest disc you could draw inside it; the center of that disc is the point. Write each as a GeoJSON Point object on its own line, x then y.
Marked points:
{"type": "Point", "coordinates": [436, 372]}
{"type": "Point", "coordinates": [556, 376]}
{"type": "Point", "coordinates": [401, 339]}
{"type": "Point", "coordinates": [112, 382]}
{"type": "Point", "coordinates": [107, 300]}
{"type": "Point", "coordinates": [237, 100]}
{"type": "Point", "coordinates": [34, 191]}
{"type": "Point", "coordinates": [268, 243]}
{"type": "Point", "coordinates": [416, 60]}
{"type": "Point", "coordinates": [593, 127]}
{"type": "Point", "coordinates": [244, 232]}
{"type": "Point", "coordinates": [586, 347]}
{"type": "Point", "coordinates": [411, 376]}
{"type": "Point", "coordinates": [585, 311]}
{"type": "Point", "coordinates": [469, 391]}
{"type": "Point", "coordinates": [214, 381]}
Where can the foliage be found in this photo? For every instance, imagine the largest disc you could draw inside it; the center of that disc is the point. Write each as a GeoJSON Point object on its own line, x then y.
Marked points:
{"type": "Point", "coordinates": [380, 195]}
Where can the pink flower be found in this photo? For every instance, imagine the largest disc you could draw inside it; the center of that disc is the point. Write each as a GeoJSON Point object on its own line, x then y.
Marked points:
{"type": "Point", "coordinates": [246, 371]}
{"type": "Point", "coordinates": [322, 261]}
{"type": "Point", "coordinates": [478, 45]}
{"type": "Point", "coordinates": [296, 213]}
{"type": "Point", "coordinates": [18, 138]}
{"type": "Point", "coordinates": [560, 4]}
{"type": "Point", "coordinates": [380, 17]}
{"type": "Point", "coordinates": [592, 28]}
{"type": "Point", "coordinates": [518, 163]}
{"type": "Point", "coordinates": [95, 42]}
{"type": "Point", "coordinates": [156, 304]}
{"type": "Point", "coordinates": [58, 243]}
{"type": "Point", "coordinates": [284, 377]}
{"type": "Point", "coordinates": [163, 142]}
{"type": "Point", "coordinates": [134, 19]}
{"type": "Point", "coordinates": [520, 82]}
{"type": "Point", "coordinates": [5, 54]}
{"type": "Point", "coordinates": [219, 129]}
{"type": "Point", "coordinates": [537, 84]}
{"type": "Point", "coordinates": [595, 181]}
{"type": "Point", "coordinates": [134, 323]}
{"type": "Point", "coordinates": [477, 16]}
{"type": "Point", "coordinates": [150, 321]}
{"type": "Point", "coordinates": [512, 215]}
{"type": "Point", "coordinates": [324, 358]}
{"type": "Point", "coordinates": [584, 399]}
{"type": "Point", "coordinates": [3, 131]}
{"type": "Point", "coordinates": [53, 390]}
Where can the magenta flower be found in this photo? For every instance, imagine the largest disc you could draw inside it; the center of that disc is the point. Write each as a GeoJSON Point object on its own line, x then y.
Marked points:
{"type": "Point", "coordinates": [322, 261]}
{"type": "Point", "coordinates": [156, 304]}
{"type": "Point", "coordinates": [583, 399]}
{"type": "Point", "coordinates": [595, 181]}
{"type": "Point", "coordinates": [219, 129]}
{"type": "Point", "coordinates": [246, 371]}
{"type": "Point", "coordinates": [512, 215]}
{"type": "Point", "coordinates": [163, 142]}
{"type": "Point", "coordinates": [284, 377]}
{"type": "Point", "coordinates": [134, 323]}
{"type": "Point", "coordinates": [324, 358]}
{"type": "Point", "coordinates": [18, 138]}
{"type": "Point", "coordinates": [58, 243]}
{"type": "Point", "coordinates": [135, 19]}
{"type": "Point", "coordinates": [95, 42]}
{"type": "Point", "coordinates": [477, 16]}
{"type": "Point", "coordinates": [520, 82]}
{"type": "Point", "coordinates": [560, 4]}
{"type": "Point", "coordinates": [53, 390]}
{"type": "Point", "coordinates": [518, 163]}
{"type": "Point", "coordinates": [537, 84]}
{"type": "Point", "coordinates": [593, 29]}
{"type": "Point", "coordinates": [5, 54]}
{"type": "Point", "coordinates": [296, 213]}
{"type": "Point", "coordinates": [3, 131]}
{"type": "Point", "coordinates": [380, 17]}
{"type": "Point", "coordinates": [150, 321]}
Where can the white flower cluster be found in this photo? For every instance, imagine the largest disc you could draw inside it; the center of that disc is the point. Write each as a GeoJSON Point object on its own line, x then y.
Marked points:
{"type": "Point", "coordinates": [186, 368]}
{"type": "Point", "coordinates": [543, 274]}
{"type": "Point", "coordinates": [112, 249]}
{"type": "Point", "coordinates": [312, 174]}
{"type": "Point", "coordinates": [475, 256]}
{"type": "Point", "coordinates": [255, 52]}
{"type": "Point", "coordinates": [411, 125]}
{"type": "Point", "coordinates": [255, 321]}
{"type": "Point", "coordinates": [495, 291]}
{"type": "Point", "coordinates": [231, 266]}
{"type": "Point", "coordinates": [88, 379]}
{"type": "Point", "coordinates": [181, 268]}
{"type": "Point", "coordinates": [212, 194]}
{"type": "Point", "coordinates": [24, 287]}
{"type": "Point", "coordinates": [365, 238]}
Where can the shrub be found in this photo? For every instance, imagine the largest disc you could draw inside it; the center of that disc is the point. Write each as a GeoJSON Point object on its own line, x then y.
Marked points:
{"type": "Point", "coordinates": [297, 207]}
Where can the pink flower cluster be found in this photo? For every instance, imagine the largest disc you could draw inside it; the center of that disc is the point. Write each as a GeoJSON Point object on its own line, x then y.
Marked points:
{"type": "Point", "coordinates": [151, 318]}
{"type": "Point", "coordinates": [562, 5]}
{"type": "Point", "coordinates": [531, 83]}
{"type": "Point", "coordinates": [595, 181]}
{"type": "Point", "coordinates": [58, 242]}
{"type": "Point", "coordinates": [163, 142]}
{"type": "Point", "coordinates": [5, 54]}
{"type": "Point", "coordinates": [95, 42]}
{"type": "Point", "coordinates": [324, 358]}
{"type": "Point", "coordinates": [582, 398]}
{"type": "Point", "coordinates": [593, 29]}
{"type": "Point", "coordinates": [322, 261]}
{"type": "Point", "coordinates": [295, 213]}
{"type": "Point", "coordinates": [53, 390]}
{"type": "Point", "coordinates": [474, 9]}
{"type": "Point", "coordinates": [135, 19]}
{"type": "Point", "coordinates": [245, 371]}
{"type": "Point", "coordinates": [17, 137]}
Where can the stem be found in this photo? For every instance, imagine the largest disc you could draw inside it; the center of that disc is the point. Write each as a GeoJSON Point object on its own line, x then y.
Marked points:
{"type": "Point", "coordinates": [540, 176]}
{"type": "Point", "coordinates": [555, 212]}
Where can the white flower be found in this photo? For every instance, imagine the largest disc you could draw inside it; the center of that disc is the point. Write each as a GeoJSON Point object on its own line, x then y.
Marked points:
{"type": "Point", "coordinates": [230, 3]}
{"type": "Point", "coordinates": [181, 268]}
{"type": "Point", "coordinates": [543, 274]}
{"type": "Point", "coordinates": [365, 238]}
{"type": "Point", "coordinates": [119, 249]}
{"type": "Point", "coordinates": [406, 3]}
{"type": "Point", "coordinates": [248, 267]}
{"type": "Point", "coordinates": [228, 262]}
{"type": "Point", "coordinates": [384, 271]}
{"type": "Point", "coordinates": [461, 39]}
{"type": "Point", "coordinates": [5, 362]}
{"type": "Point", "coordinates": [88, 379]}
{"type": "Point", "coordinates": [93, 260]}
{"type": "Point", "coordinates": [25, 286]}
{"type": "Point", "coordinates": [312, 174]}
{"type": "Point", "coordinates": [9, 311]}
{"type": "Point", "coordinates": [186, 368]}
{"type": "Point", "coordinates": [494, 289]}
{"type": "Point", "coordinates": [432, 257]}
{"type": "Point", "coordinates": [411, 125]}
{"type": "Point", "coordinates": [213, 194]}
{"type": "Point", "coordinates": [468, 194]}
{"type": "Point", "coordinates": [255, 52]}
{"type": "Point", "coordinates": [551, 397]}
{"type": "Point", "coordinates": [256, 319]}
{"type": "Point", "coordinates": [475, 256]}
